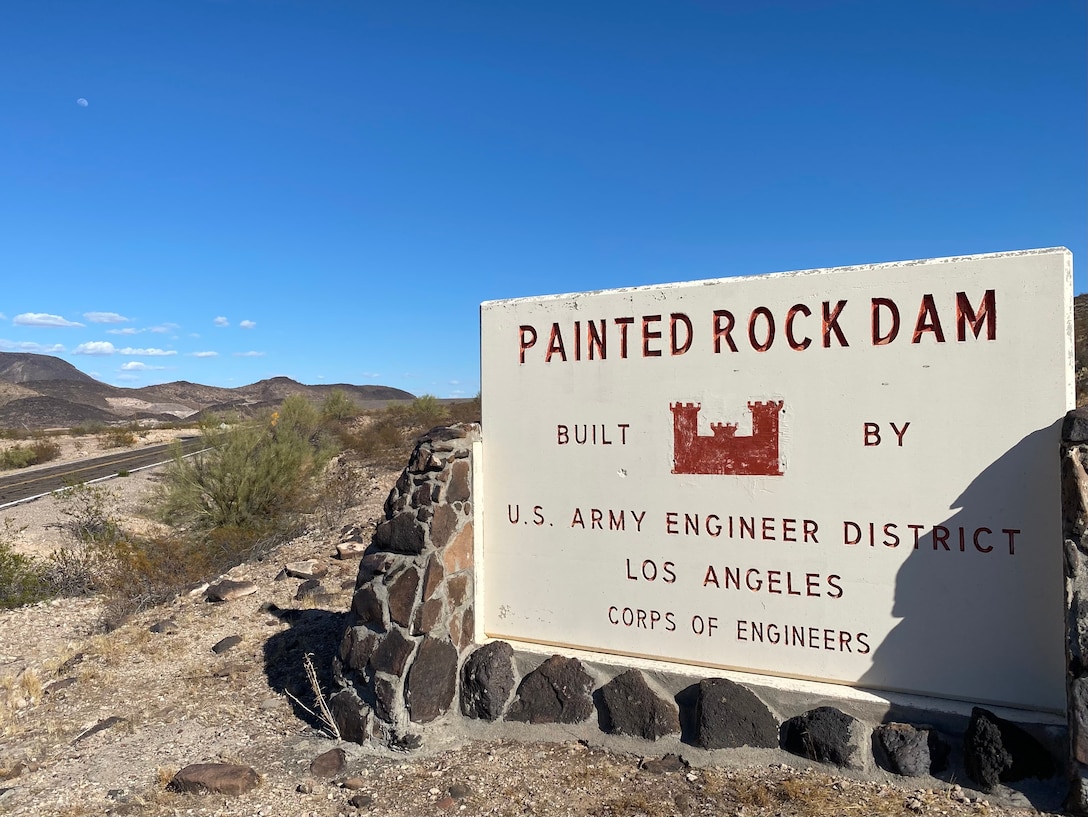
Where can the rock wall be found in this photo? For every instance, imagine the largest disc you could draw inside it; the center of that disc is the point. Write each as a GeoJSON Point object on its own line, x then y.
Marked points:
{"type": "Point", "coordinates": [412, 617]}
{"type": "Point", "coordinates": [1074, 453]}
{"type": "Point", "coordinates": [408, 662]}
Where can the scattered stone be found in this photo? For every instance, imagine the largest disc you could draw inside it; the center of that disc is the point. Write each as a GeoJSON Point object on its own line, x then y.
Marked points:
{"type": "Point", "coordinates": [329, 764]}
{"type": "Point", "coordinates": [353, 783]}
{"type": "Point", "coordinates": [558, 691]}
{"type": "Point", "coordinates": [664, 765]}
{"type": "Point", "coordinates": [685, 803]}
{"type": "Point", "coordinates": [632, 708]}
{"type": "Point", "coordinates": [432, 680]}
{"type": "Point", "coordinates": [828, 735]}
{"type": "Point", "coordinates": [221, 646]}
{"type": "Point", "coordinates": [167, 626]}
{"type": "Point", "coordinates": [487, 679]}
{"type": "Point", "coordinates": [405, 743]}
{"type": "Point", "coordinates": [728, 716]}
{"type": "Point", "coordinates": [310, 587]}
{"type": "Point", "coordinates": [101, 726]}
{"type": "Point", "coordinates": [350, 550]}
{"type": "Point", "coordinates": [998, 751]}
{"type": "Point", "coordinates": [305, 787]}
{"type": "Point", "coordinates": [361, 800]}
{"type": "Point", "coordinates": [214, 778]}
{"type": "Point", "coordinates": [352, 719]}
{"type": "Point", "coordinates": [459, 791]}
{"type": "Point", "coordinates": [229, 590]}
{"type": "Point", "coordinates": [351, 533]}
{"type": "Point", "coordinates": [910, 751]}
{"type": "Point", "coordinates": [58, 685]}
{"type": "Point", "coordinates": [307, 569]}
{"type": "Point", "coordinates": [447, 803]}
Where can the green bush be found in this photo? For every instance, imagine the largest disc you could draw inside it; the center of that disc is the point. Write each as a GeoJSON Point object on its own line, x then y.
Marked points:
{"type": "Point", "coordinates": [118, 437]}
{"type": "Point", "coordinates": [253, 476]}
{"type": "Point", "coordinates": [338, 408]}
{"type": "Point", "coordinates": [35, 453]}
{"type": "Point", "coordinates": [21, 577]}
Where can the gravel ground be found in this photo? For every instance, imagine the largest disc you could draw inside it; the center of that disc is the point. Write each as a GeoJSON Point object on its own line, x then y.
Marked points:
{"type": "Point", "coordinates": [161, 701]}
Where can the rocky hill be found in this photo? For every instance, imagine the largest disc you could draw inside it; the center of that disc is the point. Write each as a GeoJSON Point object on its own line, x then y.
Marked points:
{"type": "Point", "coordinates": [41, 391]}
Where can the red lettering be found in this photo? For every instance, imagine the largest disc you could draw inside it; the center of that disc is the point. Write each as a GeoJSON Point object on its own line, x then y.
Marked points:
{"type": "Point", "coordinates": [527, 341]}
{"type": "Point", "coordinates": [795, 310]}
{"type": "Point", "coordinates": [555, 345]}
{"type": "Point", "coordinates": [878, 338]}
{"type": "Point", "coordinates": [761, 311]}
{"type": "Point", "coordinates": [928, 321]}
{"type": "Point", "coordinates": [679, 319]}
{"type": "Point", "coordinates": [831, 323]}
{"type": "Point", "coordinates": [965, 314]}
{"type": "Point", "coordinates": [721, 331]}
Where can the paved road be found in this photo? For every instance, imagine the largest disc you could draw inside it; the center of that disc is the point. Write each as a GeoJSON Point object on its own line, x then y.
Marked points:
{"type": "Point", "coordinates": [16, 487]}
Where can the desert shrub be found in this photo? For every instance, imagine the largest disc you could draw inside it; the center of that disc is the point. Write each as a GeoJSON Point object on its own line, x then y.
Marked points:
{"type": "Point", "coordinates": [34, 453]}
{"type": "Point", "coordinates": [426, 412]}
{"type": "Point", "coordinates": [253, 475]}
{"type": "Point", "coordinates": [91, 512]}
{"type": "Point", "coordinates": [21, 580]}
{"type": "Point", "coordinates": [118, 437]}
{"type": "Point", "coordinates": [464, 411]}
{"type": "Point", "coordinates": [337, 407]}
{"type": "Point", "coordinates": [87, 429]}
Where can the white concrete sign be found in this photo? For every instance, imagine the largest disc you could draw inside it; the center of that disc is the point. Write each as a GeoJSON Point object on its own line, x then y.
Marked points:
{"type": "Point", "coordinates": [847, 475]}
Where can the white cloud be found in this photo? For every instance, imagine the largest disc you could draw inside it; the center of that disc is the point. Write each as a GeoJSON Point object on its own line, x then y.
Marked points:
{"type": "Point", "coordinates": [83, 103]}
{"type": "Point", "coordinates": [137, 366]}
{"type": "Point", "coordinates": [27, 346]}
{"type": "Point", "coordinates": [3, 317]}
{"type": "Point", "coordinates": [105, 317]}
{"type": "Point", "coordinates": [128, 350]}
{"type": "Point", "coordinates": [205, 354]}
{"type": "Point", "coordinates": [163, 328]}
{"type": "Point", "coordinates": [248, 324]}
{"type": "Point", "coordinates": [42, 319]}
{"type": "Point", "coordinates": [249, 354]}
{"type": "Point", "coordinates": [221, 321]}
{"type": "Point", "coordinates": [95, 347]}
{"type": "Point", "coordinates": [128, 330]}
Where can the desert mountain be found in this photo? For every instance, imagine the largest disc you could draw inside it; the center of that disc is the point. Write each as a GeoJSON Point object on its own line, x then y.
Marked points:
{"type": "Point", "coordinates": [41, 391]}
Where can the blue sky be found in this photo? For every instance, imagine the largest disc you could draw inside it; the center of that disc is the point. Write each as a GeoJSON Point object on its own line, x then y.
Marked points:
{"type": "Point", "coordinates": [226, 191]}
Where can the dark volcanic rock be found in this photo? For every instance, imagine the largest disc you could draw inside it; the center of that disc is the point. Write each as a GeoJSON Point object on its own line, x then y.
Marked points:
{"type": "Point", "coordinates": [432, 680]}
{"type": "Point", "coordinates": [908, 750]}
{"type": "Point", "coordinates": [216, 778]}
{"type": "Point", "coordinates": [728, 715]}
{"type": "Point", "coordinates": [558, 691]}
{"type": "Point", "coordinates": [392, 654]}
{"type": "Point", "coordinates": [827, 735]}
{"type": "Point", "coordinates": [633, 708]}
{"type": "Point", "coordinates": [402, 534]}
{"type": "Point", "coordinates": [225, 644]}
{"type": "Point", "coordinates": [487, 679]}
{"type": "Point", "coordinates": [329, 764]}
{"type": "Point", "coordinates": [998, 751]}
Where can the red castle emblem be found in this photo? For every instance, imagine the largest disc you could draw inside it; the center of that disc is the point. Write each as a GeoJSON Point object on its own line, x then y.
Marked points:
{"type": "Point", "coordinates": [723, 452]}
